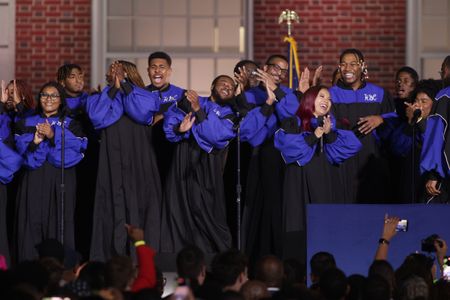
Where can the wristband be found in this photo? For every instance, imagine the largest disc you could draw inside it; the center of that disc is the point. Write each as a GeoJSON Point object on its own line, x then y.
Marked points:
{"type": "Point", "coordinates": [139, 243]}
{"type": "Point", "coordinates": [383, 241]}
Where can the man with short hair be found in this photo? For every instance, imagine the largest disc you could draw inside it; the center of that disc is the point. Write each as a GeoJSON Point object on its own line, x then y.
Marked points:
{"type": "Point", "coordinates": [191, 266]}
{"type": "Point", "coordinates": [159, 72]}
{"type": "Point", "coordinates": [269, 269]}
{"type": "Point", "coordinates": [320, 262]}
{"type": "Point", "coordinates": [71, 77]}
{"type": "Point", "coordinates": [229, 268]}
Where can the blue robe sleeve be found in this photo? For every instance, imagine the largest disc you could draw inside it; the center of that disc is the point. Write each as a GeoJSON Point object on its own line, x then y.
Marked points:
{"type": "Point", "coordinates": [74, 147]}
{"type": "Point", "coordinates": [432, 158]}
{"type": "Point", "coordinates": [287, 105]}
{"type": "Point", "coordinates": [213, 132]}
{"type": "Point", "coordinates": [105, 108]}
{"type": "Point", "coordinates": [140, 104]}
{"type": "Point", "coordinates": [33, 155]}
{"type": "Point", "coordinates": [343, 147]}
{"type": "Point", "coordinates": [10, 162]}
{"type": "Point", "coordinates": [172, 120]}
{"type": "Point", "coordinates": [294, 147]}
{"type": "Point", "coordinates": [259, 124]}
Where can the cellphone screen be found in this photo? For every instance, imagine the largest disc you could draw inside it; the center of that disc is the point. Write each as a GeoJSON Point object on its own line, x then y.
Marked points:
{"type": "Point", "coordinates": [446, 273]}
{"type": "Point", "coordinates": [402, 225]}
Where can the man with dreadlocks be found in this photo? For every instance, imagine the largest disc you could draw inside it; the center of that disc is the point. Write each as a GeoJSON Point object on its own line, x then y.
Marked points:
{"type": "Point", "coordinates": [194, 200]}
{"type": "Point", "coordinates": [361, 106]}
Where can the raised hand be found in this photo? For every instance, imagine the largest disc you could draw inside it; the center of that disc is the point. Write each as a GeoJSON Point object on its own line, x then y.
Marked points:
{"type": "Point", "coordinates": [303, 83]}
{"type": "Point", "coordinates": [187, 123]}
{"type": "Point", "coordinates": [327, 124]}
{"type": "Point", "coordinates": [241, 79]}
{"type": "Point", "coordinates": [46, 130]}
{"type": "Point", "coordinates": [265, 77]}
{"type": "Point", "coordinates": [317, 75]}
{"type": "Point", "coordinates": [4, 95]}
{"type": "Point", "coordinates": [192, 97]}
{"type": "Point", "coordinates": [38, 138]}
{"type": "Point", "coordinates": [319, 132]}
{"type": "Point", "coordinates": [135, 233]}
{"type": "Point", "coordinates": [270, 94]}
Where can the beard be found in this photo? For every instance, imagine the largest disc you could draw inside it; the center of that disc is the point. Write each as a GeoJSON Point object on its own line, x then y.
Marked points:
{"type": "Point", "coordinates": [219, 99]}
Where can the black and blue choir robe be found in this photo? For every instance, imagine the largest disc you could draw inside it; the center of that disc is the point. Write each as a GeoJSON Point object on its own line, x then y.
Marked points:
{"type": "Point", "coordinates": [434, 164]}
{"type": "Point", "coordinates": [10, 162]}
{"type": "Point", "coordinates": [194, 200]}
{"type": "Point", "coordinates": [163, 148]}
{"type": "Point", "coordinates": [368, 171]}
{"type": "Point", "coordinates": [261, 221]}
{"type": "Point", "coordinates": [38, 203]}
{"type": "Point", "coordinates": [312, 176]}
{"type": "Point", "coordinates": [128, 188]}
{"type": "Point", "coordinates": [86, 173]}
{"type": "Point", "coordinates": [398, 135]}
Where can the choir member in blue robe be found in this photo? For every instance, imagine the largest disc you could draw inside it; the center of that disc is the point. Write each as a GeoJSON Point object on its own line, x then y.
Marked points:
{"type": "Point", "coordinates": [159, 71]}
{"type": "Point", "coordinates": [261, 224]}
{"type": "Point", "coordinates": [39, 141]}
{"type": "Point", "coordinates": [362, 107]}
{"type": "Point", "coordinates": [312, 148]}
{"type": "Point", "coordinates": [10, 162]}
{"type": "Point", "coordinates": [194, 201]}
{"type": "Point", "coordinates": [20, 102]}
{"type": "Point", "coordinates": [71, 77]}
{"type": "Point", "coordinates": [401, 131]}
{"type": "Point", "coordinates": [128, 189]}
{"type": "Point", "coordinates": [434, 164]}
{"type": "Point", "coordinates": [406, 80]}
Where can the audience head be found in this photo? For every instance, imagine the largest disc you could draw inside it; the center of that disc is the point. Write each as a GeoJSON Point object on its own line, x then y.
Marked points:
{"type": "Point", "coordinates": [159, 69]}
{"type": "Point", "coordinates": [414, 288]}
{"type": "Point", "coordinates": [377, 288]}
{"type": "Point", "coordinates": [406, 80]}
{"type": "Point", "coordinates": [278, 67]}
{"type": "Point", "coordinates": [416, 264]}
{"type": "Point", "coordinates": [357, 284]}
{"type": "Point", "coordinates": [320, 262]}
{"type": "Point", "coordinates": [352, 67]}
{"type": "Point", "coordinates": [119, 272]}
{"type": "Point", "coordinates": [333, 284]}
{"type": "Point", "coordinates": [384, 269]}
{"type": "Point", "coordinates": [294, 272]}
{"type": "Point", "coordinates": [255, 290]}
{"type": "Point", "coordinates": [269, 269]}
{"type": "Point", "coordinates": [191, 264]}
{"type": "Point", "coordinates": [229, 269]}
{"type": "Point", "coordinates": [71, 77]}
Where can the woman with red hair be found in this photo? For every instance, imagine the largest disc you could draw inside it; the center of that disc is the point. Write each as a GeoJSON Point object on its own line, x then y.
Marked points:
{"type": "Point", "coordinates": [19, 100]}
{"type": "Point", "coordinates": [312, 148]}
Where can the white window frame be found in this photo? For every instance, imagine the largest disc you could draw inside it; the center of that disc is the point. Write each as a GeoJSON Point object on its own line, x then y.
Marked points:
{"type": "Point", "coordinates": [414, 54]}
{"type": "Point", "coordinates": [8, 42]}
{"type": "Point", "coordinates": [99, 54]}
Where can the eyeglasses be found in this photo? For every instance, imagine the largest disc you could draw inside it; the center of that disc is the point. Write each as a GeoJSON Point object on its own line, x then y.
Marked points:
{"type": "Point", "coordinates": [52, 97]}
{"type": "Point", "coordinates": [352, 65]}
{"type": "Point", "coordinates": [279, 69]}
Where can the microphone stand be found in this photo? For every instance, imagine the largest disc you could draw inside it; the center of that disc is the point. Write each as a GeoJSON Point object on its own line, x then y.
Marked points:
{"type": "Point", "coordinates": [238, 184]}
{"type": "Point", "coordinates": [62, 186]}
{"type": "Point", "coordinates": [416, 116]}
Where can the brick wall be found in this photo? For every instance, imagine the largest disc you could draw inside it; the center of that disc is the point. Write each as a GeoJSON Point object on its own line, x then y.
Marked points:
{"type": "Point", "coordinates": [50, 33]}
{"type": "Point", "coordinates": [377, 28]}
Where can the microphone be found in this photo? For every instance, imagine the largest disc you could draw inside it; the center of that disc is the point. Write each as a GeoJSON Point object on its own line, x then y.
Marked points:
{"type": "Point", "coordinates": [416, 115]}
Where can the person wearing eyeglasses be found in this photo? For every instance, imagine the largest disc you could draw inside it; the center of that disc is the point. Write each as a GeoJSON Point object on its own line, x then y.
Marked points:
{"type": "Point", "coordinates": [361, 106]}
{"type": "Point", "coordinates": [435, 152]}
{"type": "Point", "coordinates": [39, 141]}
{"type": "Point", "coordinates": [261, 225]}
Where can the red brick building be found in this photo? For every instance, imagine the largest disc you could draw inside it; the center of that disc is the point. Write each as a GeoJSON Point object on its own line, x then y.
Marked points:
{"type": "Point", "coordinates": [48, 33]}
